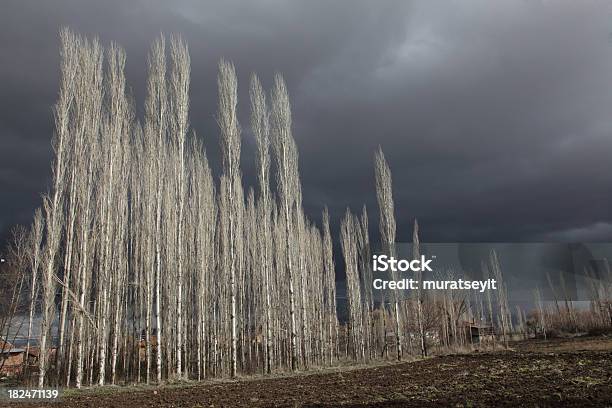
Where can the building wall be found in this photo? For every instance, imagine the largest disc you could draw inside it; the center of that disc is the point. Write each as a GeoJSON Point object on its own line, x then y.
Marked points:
{"type": "Point", "coordinates": [13, 364]}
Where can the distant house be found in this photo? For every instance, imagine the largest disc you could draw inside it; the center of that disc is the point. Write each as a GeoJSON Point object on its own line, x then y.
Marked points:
{"type": "Point", "coordinates": [142, 344]}
{"type": "Point", "coordinates": [12, 359]}
{"type": "Point", "coordinates": [478, 331]}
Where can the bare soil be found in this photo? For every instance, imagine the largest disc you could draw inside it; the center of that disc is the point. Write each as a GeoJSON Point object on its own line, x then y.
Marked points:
{"type": "Point", "coordinates": [562, 372]}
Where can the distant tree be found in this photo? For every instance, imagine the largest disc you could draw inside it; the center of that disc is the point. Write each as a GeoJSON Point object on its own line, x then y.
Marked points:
{"type": "Point", "coordinates": [13, 273]}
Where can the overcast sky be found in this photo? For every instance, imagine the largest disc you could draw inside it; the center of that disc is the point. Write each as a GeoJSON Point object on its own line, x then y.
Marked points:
{"type": "Point", "coordinates": [495, 116]}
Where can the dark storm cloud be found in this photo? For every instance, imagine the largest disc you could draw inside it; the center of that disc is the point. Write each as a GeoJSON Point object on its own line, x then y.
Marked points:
{"type": "Point", "coordinates": [495, 116]}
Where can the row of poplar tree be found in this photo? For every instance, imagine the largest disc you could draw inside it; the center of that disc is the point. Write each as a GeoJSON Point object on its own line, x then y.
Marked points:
{"type": "Point", "coordinates": [147, 268]}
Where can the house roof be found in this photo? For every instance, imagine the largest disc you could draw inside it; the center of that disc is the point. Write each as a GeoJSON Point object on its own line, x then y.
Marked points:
{"type": "Point", "coordinates": [13, 351]}
{"type": "Point", "coordinates": [5, 345]}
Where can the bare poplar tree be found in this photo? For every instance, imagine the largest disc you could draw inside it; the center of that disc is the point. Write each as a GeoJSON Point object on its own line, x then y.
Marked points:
{"type": "Point", "coordinates": [286, 164]}
{"type": "Point", "coordinates": [156, 123]}
{"type": "Point", "coordinates": [348, 240]}
{"type": "Point", "coordinates": [179, 105]}
{"type": "Point", "coordinates": [261, 129]}
{"type": "Point", "coordinates": [366, 281]}
{"type": "Point", "coordinates": [541, 312]}
{"type": "Point", "coordinates": [416, 253]}
{"type": "Point", "coordinates": [384, 194]}
{"type": "Point", "coordinates": [85, 156]}
{"type": "Point", "coordinates": [502, 297]}
{"type": "Point", "coordinates": [35, 242]}
{"type": "Point", "coordinates": [54, 203]}
{"type": "Point", "coordinates": [115, 131]}
{"type": "Point", "coordinates": [329, 288]}
{"type": "Point", "coordinates": [230, 143]}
